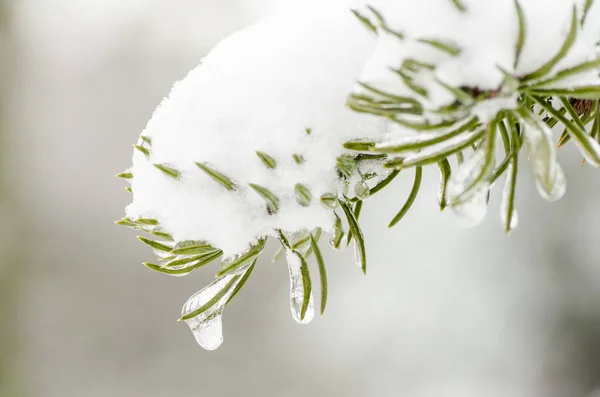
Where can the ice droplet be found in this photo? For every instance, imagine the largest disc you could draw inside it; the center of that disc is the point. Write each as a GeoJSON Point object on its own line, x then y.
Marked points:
{"type": "Point", "coordinates": [472, 211]}
{"type": "Point", "coordinates": [207, 326]}
{"type": "Point", "coordinates": [558, 187]}
{"type": "Point", "coordinates": [337, 234]}
{"type": "Point", "coordinates": [361, 190]}
{"type": "Point", "coordinates": [297, 290]}
{"type": "Point", "coordinates": [209, 334]}
{"type": "Point", "coordinates": [471, 177]}
{"type": "Point", "coordinates": [550, 178]}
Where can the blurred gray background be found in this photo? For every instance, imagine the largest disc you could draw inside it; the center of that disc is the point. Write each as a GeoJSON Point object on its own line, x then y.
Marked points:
{"type": "Point", "coordinates": [444, 312]}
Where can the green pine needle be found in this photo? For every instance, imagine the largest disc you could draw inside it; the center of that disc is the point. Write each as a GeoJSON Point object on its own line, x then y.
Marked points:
{"type": "Point", "coordinates": [242, 282]}
{"type": "Point", "coordinates": [168, 171]}
{"type": "Point", "coordinates": [303, 195]}
{"type": "Point", "coordinates": [267, 160]}
{"type": "Point", "coordinates": [142, 149]}
{"type": "Point", "coordinates": [365, 21]}
{"type": "Point", "coordinates": [411, 197]}
{"type": "Point", "coordinates": [217, 177]}
{"type": "Point", "coordinates": [270, 198]}
{"type": "Point", "coordinates": [322, 272]}
{"type": "Point", "coordinates": [461, 7]}
{"type": "Point", "coordinates": [298, 158]}
{"type": "Point", "coordinates": [566, 46]}
{"type": "Point", "coordinates": [125, 175]}
{"type": "Point", "coordinates": [445, 173]}
{"type": "Point", "coordinates": [357, 234]}
{"type": "Point", "coordinates": [213, 301]}
{"type": "Point", "coordinates": [155, 244]}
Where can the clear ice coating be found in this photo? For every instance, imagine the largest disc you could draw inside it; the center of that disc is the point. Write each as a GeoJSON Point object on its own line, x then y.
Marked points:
{"type": "Point", "coordinates": [438, 149]}
{"type": "Point", "coordinates": [297, 290]}
{"type": "Point", "coordinates": [470, 177]}
{"type": "Point", "coordinates": [207, 326]}
{"type": "Point", "coordinates": [405, 144]}
{"type": "Point", "coordinates": [472, 211]}
{"type": "Point", "coordinates": [209, 334]}
{"type": "Point", "coordinates": [357, 254]}
{"type": "Point", "coordinates": [336, 234]}
{"type": "Point", "coordinates": [361, 190]}
{"type": "Point", "coordinates": [550, 178]}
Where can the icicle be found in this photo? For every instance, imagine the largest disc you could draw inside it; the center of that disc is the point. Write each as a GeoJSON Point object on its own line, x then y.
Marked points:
{"type": "Point", "coordinates": [207, 325]}
{"type": "Point", "coordinates": [337, 234]}
{"type": "Point", "coordinates": [472, 211]}
{"type": "Point", "coordinates": [361, 190]}
{"type": "Point", "coordinates": [471, 177]}
{"type": "Point", "coordinates": [550, 178]}
{"type": "Point", "coordinates": [209, 334]}
{"type": "Point", "coordinates": [559, 187]}
{"type": "Point", "coordinates": [298, 281]}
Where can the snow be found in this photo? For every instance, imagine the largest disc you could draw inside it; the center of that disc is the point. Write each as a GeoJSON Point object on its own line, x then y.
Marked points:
{"type": "Point", "coordinates": [264, 88]}
{"type": "Point", "coordinates": [486, 35]}
{"type": "Point", "coordinates": [258, 90]}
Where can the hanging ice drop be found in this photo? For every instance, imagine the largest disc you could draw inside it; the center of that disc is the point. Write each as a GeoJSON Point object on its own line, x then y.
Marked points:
{"type": "Point", "coordinates": [472, 211]}
{"type": "Point", "coordinates": [300, 288]}
{"type": "Point", "coordinates": [361, 190]}
{"type": "Point", "coordinates": [209, 303]}
{"type": "Point", "coordinates": [209, 334]}
{"type": "Point", "coordinates": [541, 151]}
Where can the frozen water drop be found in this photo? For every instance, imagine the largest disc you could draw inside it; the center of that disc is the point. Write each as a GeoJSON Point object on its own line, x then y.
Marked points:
{"type": "Point", "coordinates": [470, 177]}
{"type": "Point", "coordinates": [337, 234]}
{"type": "Point", "coordinates": [541, 151]}
{"type": "Point", "coordinates": [558, 187]}
{"type": "Point", "coordinates": [209, 334]}
{"type": "Point", "coordinates": [361, 190]}
{"type": "Point", "coordinates": [207, 326]}
{"type": "Point", "coordinates": [472, 211]}
{"type": "Point", "coordinates": [297, 289]}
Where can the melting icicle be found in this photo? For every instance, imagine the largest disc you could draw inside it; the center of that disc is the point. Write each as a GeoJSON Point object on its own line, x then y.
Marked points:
{"type": "Point", "coordinates": [207, 326]}
{"type": "Point", "coordinates": [472, 211]}
{"type": "Point", "coordinates": [559, 187]}
{"type": "Point", "coordinates": [209, 334]}
{"type": "Point", "coordinates": [337, 234]}
{"type": "Point", "coordinates": [361, 190]}
{"type": "Point", "coordinates": [550, 178]}
{"type": "Point", "coordinates": [297, 289]}
{"type": "Point", "coordinates": [504, 204]}
{"type": "Point", "coordinates": [471, 177]}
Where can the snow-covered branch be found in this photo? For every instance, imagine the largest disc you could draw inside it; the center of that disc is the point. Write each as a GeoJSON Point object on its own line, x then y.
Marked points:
{"type": "Point", "coordinates": [289, 125]}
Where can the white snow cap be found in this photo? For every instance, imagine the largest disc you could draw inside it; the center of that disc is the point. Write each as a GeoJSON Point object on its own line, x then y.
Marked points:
{"type": "Point", "coordinates": [258, 90]}
{"type": "Point", "coordinates": [486, 34]}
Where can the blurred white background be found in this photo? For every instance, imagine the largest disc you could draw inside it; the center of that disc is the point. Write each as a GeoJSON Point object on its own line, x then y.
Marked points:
{"type": "Point", "coordinates": [444, 311]}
